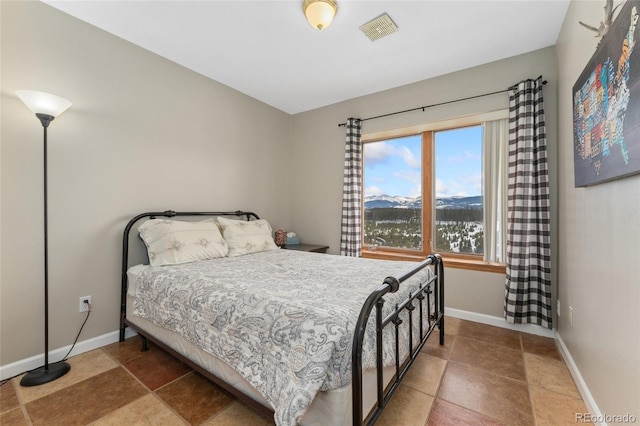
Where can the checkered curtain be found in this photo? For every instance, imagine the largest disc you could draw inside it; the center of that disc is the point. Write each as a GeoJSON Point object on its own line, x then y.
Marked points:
{"type": "Point", "coordinates": [528, 258]}
{"type": "Point", "coordinates": [350, 240]}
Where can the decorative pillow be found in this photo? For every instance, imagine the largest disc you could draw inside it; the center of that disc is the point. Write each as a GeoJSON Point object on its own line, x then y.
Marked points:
{"type": "Point", "coordinates": [170, 242]}
{"type": "Point", "coordinates": [244, 237]}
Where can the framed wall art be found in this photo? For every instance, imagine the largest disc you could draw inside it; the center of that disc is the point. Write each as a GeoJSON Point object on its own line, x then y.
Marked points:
{"type": "Point", "coordinates": [606, 105]}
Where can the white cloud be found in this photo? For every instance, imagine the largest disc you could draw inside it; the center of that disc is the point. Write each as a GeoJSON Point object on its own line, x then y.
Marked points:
{"type": "Point", "coordinates": [376, 179]}
{"type": "Point", "coordinates": [461, 158]}
{"type": "Point", "coordinates": [379, 152]}
{"type": "Point", "coordinates": [471, 156]}
{"type": "Point", "coordinates": [456, 159]}
{"type": "Point", "coordinates": [415, 191]}
{"type": "Point", "coordinates": [409, 158]}
{"type": "Point", "coordinates": [464, 187]}
{"type": "Point", "coordinates": [373, 190]}
{"type": "Point", "coordinates": [409, 176]}
{"type": "Point", "coordinates": [473, 183]}
{"type": "Point", "coordinates": [442, 190]}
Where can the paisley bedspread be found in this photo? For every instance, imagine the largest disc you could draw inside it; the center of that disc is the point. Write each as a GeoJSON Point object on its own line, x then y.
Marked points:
{"type": "Point", "coordinates": [282, 319]}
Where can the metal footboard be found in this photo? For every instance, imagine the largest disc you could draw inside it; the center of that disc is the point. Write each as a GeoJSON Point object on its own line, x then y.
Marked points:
{"type": "Point", "coordinates": [433, 288]}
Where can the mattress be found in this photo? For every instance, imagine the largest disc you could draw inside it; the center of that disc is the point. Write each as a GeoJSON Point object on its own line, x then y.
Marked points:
{"type": "Point", "coordinates": [331, 406]}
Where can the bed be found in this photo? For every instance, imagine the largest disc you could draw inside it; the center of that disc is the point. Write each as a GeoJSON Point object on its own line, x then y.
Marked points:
{"type": "Point", "coordinates": [304, 338]}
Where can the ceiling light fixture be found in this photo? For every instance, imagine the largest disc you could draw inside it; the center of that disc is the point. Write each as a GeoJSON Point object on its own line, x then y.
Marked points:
{"type": "Point", "coordinates": [320, 13]}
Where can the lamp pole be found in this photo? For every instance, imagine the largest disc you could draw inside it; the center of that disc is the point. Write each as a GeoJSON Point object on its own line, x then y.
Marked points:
{"type": "Point", "coordinates": [45, 120]}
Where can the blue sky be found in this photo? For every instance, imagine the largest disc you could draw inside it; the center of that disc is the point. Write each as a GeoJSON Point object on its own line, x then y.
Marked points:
{"type": "Point", "coordinates": [392, 167]}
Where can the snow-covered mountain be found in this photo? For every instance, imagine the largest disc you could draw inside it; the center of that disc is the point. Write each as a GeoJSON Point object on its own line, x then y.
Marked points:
{"type": "Point", "coordinates": [474, 202]}
{"type": "Point", "coordinates": [386, 201]}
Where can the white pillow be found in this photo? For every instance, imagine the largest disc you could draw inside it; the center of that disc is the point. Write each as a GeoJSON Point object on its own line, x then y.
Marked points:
{"type": "Point", "coordinates": [244, 237]}
{"type": "Point", "coordinates": [170, 242]}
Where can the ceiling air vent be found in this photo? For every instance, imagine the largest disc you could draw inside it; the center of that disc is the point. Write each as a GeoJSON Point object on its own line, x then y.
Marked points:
{"type": "Point", "coordinates": [379, 27]}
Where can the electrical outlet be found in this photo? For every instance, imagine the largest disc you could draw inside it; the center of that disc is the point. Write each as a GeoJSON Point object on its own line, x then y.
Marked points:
{"type": "Point", "coordinates": [558, 307]}
{"type": "Point", "coordinates": [571, 316]}
{"type": "Point", "coordinates": [83, 306]}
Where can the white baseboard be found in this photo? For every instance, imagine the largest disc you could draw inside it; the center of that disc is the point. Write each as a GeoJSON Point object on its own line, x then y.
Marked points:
{"type": "Point", "coordinates": [592, 407]}
{"type": "Point", "coordinates": [499, 322]}
{"type": "Point", "coordinates": [24, 365]}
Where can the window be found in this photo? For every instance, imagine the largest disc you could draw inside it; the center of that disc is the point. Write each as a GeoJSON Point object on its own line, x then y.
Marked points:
{"type": "Point", "coordinates": [436, 188]}
{"type": "Point", "coordinates": [459, 218]}
{"type": "Point", "coordinates": [393, 193]}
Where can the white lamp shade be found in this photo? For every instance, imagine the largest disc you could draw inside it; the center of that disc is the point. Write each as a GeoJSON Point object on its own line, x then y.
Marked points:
{"type": "Point", "coordinates": [320, 13]}
{"type": "Point", "coordinates": [43, 103]}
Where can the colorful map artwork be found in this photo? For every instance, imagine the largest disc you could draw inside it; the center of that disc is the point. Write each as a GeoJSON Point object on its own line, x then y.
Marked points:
{"type": "Point", "coordinates": [600, 106]}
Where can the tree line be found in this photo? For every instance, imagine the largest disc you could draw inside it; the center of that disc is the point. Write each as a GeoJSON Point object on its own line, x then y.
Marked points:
{"type": "Point", "coordinates": [391, 214]}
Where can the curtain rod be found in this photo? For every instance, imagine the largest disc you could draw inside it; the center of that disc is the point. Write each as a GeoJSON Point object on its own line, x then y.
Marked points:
{"type": "Point", "coordinates": [439, 104]}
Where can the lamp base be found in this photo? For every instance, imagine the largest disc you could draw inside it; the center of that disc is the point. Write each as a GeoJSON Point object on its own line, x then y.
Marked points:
{"type": "Point", "coordinates": [42, 375]}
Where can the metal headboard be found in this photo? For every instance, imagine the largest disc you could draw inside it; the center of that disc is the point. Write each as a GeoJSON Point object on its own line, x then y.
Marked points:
{"type": "Point", "coordinates": [125, 247]}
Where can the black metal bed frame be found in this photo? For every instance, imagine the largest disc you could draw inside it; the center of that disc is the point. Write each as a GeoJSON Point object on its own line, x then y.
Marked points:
{"type": "Point", "coordinates": [435, 318]}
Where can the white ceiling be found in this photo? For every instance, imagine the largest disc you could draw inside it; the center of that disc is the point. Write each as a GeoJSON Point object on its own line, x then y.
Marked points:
{"type": "Point", "coordinates": [267, 50]}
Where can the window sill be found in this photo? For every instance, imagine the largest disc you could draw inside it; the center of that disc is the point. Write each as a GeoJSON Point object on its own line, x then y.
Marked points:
{"type": "Point", "coordinates": [450, 261]}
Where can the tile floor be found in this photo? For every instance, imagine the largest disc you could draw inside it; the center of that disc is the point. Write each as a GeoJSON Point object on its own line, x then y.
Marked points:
{"type": "Point", "coordinates": [483, 375]}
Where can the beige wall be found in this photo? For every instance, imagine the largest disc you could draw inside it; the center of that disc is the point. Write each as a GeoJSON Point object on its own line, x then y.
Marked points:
{"type": "Point", "coordinates": [599, 250]}
{"type": "Point", "coordinates": [319, 153]}
{"type": "Point", "coordinates": [143, 134]}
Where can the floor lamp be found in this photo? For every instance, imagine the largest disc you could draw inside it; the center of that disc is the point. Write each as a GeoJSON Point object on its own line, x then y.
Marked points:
{"type": "Point", "coordinates": [46, 107]}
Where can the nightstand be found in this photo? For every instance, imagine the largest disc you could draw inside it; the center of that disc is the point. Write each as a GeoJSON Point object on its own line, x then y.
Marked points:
{"type": "Point", "coordinates": [307, 247]}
